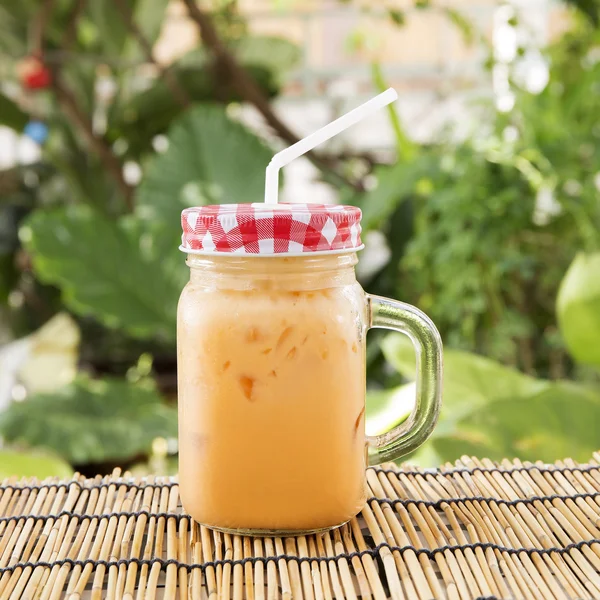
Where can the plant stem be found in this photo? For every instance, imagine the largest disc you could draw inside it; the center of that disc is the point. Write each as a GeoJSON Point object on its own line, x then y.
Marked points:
{"type": "Point", "coordinates": [406, 148]}
{"type": "Point", "coordinates": [100, 146]}
{"type": "Point", "coordinates": [74, 112]}
{"type": "Point", "coordinates": [70, 34]}
{"type": "Point", "coordinates": [39, 25]}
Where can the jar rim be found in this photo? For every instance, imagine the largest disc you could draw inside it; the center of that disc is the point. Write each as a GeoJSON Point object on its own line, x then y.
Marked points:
{"type": "Point", "coordinates": [306, 254]}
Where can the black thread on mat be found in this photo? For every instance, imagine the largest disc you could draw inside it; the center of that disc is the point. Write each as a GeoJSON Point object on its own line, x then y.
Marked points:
{"type": "Point", "coordinates": [372, 552]}
{"type": "Point", "coordinates": [66, 485]}
{"type": "Point", "coordinates": [423, 473]}
{"type": "Point", "coordinates": [501, 470]}
{"type": "Point", "coordinates": [85, 517]}
{"type": "Point", "coordinates": [437, 504]}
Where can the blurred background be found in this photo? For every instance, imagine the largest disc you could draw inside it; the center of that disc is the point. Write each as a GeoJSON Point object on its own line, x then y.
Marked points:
{"type": "Point", "coordinates": [480, 190]}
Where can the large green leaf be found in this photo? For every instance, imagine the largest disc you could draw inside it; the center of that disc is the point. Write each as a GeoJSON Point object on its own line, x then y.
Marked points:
{"type": "Point", "coordinates": [11, 114]}
{"type": "Point", "coordinates": [578, 308]}
{"type": "Point", "coordinates": [562, 420]}
{"type": "Point", "coordinates": [210, 159]}
{"type": "Point", "coordinates": [91, 421]}
{"type": "Point", "coordinates": [32, 464]}
{"type": "Point", "coordinates": [115, 271]}
{"type": "Point", "coordinates": [469, 381]}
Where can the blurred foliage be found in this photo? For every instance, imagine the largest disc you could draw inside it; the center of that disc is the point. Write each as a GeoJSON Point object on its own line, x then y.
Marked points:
{"type": "Point", "coordinates": [481, 230]}
{"type": "Point", "coordinates": [481, 254]}
{"type": "Point", "coordinates": [591, 8]}
{"type": "Point", "coordinates": [134, 282]}
{"type": "Point", "coordinates": [11, 114]}
{"type": "Point", "coordinates": [470, 381]}
{"type": "Point", "coordinates": [210, 159]}
{"type": "Point", "coordinates": [495, 411]}
{"type": "Point", "coordinates": [578, 308]}
{"type": "Point", "coordinates": [125, 285]}
{"type": "Point", "coordinates": [80, 247]}
{"type": "Point", "coordinates": [91, 421]}
{"type": "Point", "coordinates": [32, 464]}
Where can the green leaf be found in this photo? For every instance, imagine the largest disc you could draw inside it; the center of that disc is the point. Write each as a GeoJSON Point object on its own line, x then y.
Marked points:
{"type": "Point", "coordinates": [91, 421]}
{"type": "Point", "coordinates": [210, 160]}
{"type": "Point", "coordinates": [394, 185]}
{"type": "Point", "coordinates": [469, 381]}
{"type": "Point", "coordinates": [110, 28]}
{"type": "Point", "coordinates": [116, 271]}
{"type": "Point", "coordinates": [11, 114]}
{"type": "Point", "coordinates": [462, 23]}
{"type": "Point", "coordinates": [388, 408]}
{"type": "Point", "coordinates": [397, 16]}
{"type": "Point", "coordinates": [32, 464]}
{"type": "Point", "coordinates": [590, 8]}
{"type": "Point", "coordinates": [276, 54]}
{"type": "Point", "coordinates": [561, 421]}
{"type": "Point", "coordinates": [149, 16]}
{"type": "Point", "coordinates": [14, 20]}
{"type": "Point", "coordinates": [578, 308]}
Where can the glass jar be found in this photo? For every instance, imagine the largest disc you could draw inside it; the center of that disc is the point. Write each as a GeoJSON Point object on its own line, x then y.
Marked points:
{"type": "Point", "coordinates": [271, 368]}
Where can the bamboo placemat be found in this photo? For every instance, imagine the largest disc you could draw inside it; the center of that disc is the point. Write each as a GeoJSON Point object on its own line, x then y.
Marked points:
{"type": "Point", "coordinates": [473, 530]}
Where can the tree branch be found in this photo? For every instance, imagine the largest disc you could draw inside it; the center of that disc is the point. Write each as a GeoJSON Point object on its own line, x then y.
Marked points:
{"type": "Point", "coordinates": [99, 145]}
{"type": "Point", "coordinates": [36, 40]}
{"type": "Point", "coordinates": [76, 115]}
{"type": "Point", "coordinates": [247, 89]}
{"type": "Point", "coordinates": [70, 34]}
{"type": "Point", "coordinates": [165, 73]}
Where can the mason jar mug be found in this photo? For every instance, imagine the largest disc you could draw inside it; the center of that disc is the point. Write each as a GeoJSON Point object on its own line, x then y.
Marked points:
{"type": "Point", "coordinates": [271, 369]}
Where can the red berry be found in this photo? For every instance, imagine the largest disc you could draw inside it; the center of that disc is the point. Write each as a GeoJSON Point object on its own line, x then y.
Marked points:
{"type": "Point", "coordinates": [33, 74]}
{"type": "Point", "coordinates": [37, 80]}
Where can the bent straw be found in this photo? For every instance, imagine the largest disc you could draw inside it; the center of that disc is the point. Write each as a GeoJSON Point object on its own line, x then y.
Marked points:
{"type": "Point", "coordinates": [318, 137]}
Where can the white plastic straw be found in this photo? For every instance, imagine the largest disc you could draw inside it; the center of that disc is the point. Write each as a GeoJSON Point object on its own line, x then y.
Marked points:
{"type": "Point", "coordinates": [318, 137]}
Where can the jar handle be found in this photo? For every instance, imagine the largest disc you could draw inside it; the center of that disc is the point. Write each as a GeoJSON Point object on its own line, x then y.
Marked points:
{"type": "Point", "coordinates": [409, 435]}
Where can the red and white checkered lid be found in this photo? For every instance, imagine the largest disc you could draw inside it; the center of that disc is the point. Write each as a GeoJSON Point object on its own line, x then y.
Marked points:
{"type": "Point", "coordinates": [270, 229]}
